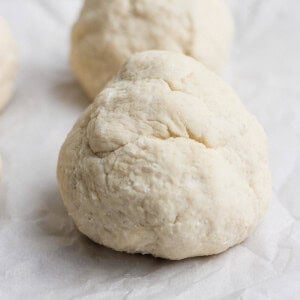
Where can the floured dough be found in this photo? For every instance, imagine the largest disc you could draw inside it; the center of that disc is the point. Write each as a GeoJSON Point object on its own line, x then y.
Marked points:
{"type": "Point", "coordinates": [109, 31]}
{"type": "Point", "coordinates": [166, 161]}
{"type": "Point", "coordinates": [8, 63]}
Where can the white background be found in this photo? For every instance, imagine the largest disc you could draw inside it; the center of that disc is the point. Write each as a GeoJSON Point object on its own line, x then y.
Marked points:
{"type": "Point", "coordinates": [42, 256]}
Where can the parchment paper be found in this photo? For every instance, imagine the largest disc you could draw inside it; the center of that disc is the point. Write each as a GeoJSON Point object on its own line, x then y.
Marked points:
{"type": "Point", "coordinates": [42, 256]}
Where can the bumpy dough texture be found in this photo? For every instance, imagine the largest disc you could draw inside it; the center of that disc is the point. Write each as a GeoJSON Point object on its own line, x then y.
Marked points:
{"type": "Point", "coordinates": [8, 63]}
{"type": "Point", "coordinates": [109, 31]}
{"type": "Point", "coordinates": [166, 161]}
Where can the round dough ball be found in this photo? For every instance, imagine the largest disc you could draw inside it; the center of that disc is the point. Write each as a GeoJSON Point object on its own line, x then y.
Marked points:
{"type": "Point", "coordinates": [166, 161]}
{"type": "Point", "coordinates": [109, 31]}
{"type": "Point", "coordinates": [8, 63]}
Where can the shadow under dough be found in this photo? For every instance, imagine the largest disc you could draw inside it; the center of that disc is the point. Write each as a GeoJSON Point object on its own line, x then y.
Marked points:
{"type": "Point", "coordinates": [67, 90]}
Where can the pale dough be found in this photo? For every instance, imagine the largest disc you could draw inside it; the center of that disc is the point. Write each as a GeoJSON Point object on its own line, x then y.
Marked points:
{"type": "Point", "coordinates": [166, 161]}
{"type": "Point", "coordinates": [8, 63]}
{"type": "Point", "coordinates": [109, 31]}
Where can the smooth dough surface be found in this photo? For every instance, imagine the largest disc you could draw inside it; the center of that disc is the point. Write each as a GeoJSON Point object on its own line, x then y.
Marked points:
{"type": "Point", "coordinates": [109, 31]}
{"type": "Point", "coordinates": [8, 63]}
{"type": "Point", "coordinates": [166, 161]}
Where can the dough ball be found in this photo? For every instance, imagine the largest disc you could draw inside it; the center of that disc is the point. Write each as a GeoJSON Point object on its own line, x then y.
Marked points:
{"type": "Point", "coordinates": [166, 161]}
{"type": "Point", "coordinates": [109, 31]}
{"type": "Point", "coordinates": [8, 63]}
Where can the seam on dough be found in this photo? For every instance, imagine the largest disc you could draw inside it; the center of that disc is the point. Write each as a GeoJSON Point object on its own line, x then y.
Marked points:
{"type": "Point", "coordinates": [102, 155]}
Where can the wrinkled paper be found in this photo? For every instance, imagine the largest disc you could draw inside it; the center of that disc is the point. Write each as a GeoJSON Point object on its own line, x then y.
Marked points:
{"type": "Point", "coordinates": [42, 255]}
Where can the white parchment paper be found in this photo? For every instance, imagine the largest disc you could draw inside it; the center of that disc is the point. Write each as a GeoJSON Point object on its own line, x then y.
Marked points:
{"type": "Point", "coordinates": [42, 256]}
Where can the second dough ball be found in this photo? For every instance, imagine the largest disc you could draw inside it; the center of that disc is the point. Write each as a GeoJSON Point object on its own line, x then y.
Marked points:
{"type": "Point", "coordinates": [109, 31]}
{"type": "Point", "coordinates": [8, 63]}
